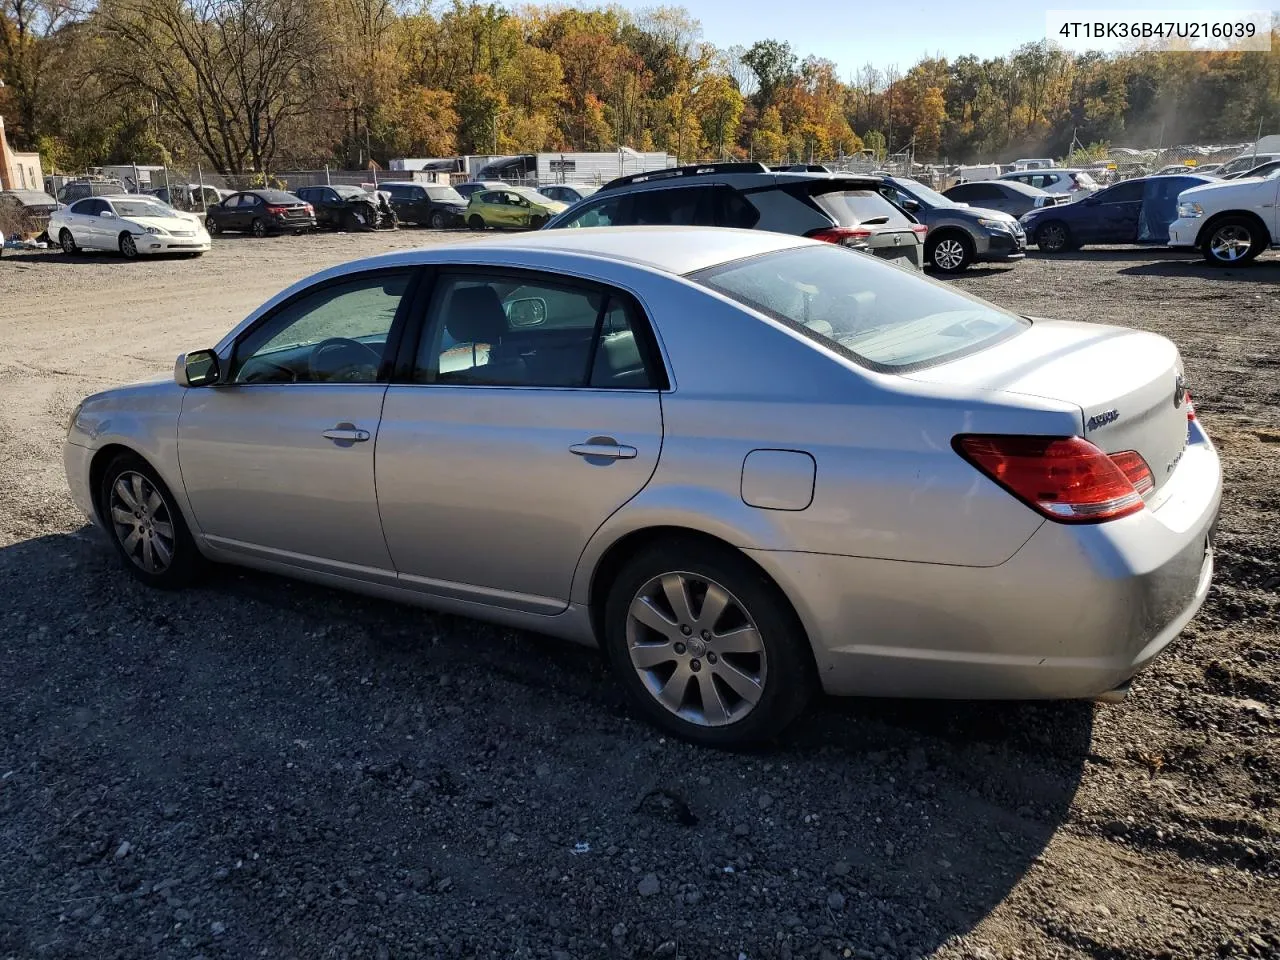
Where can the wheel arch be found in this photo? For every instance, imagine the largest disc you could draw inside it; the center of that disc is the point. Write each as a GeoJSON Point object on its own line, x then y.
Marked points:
{"type": "Point", "coordinates": [102, 458]}
{"type": "Point", "coordinates": [616, 555]}
{"type": "Point", "coordinates": [1217, 218]}
{"type": "Point", "coordinates": [949, 230]}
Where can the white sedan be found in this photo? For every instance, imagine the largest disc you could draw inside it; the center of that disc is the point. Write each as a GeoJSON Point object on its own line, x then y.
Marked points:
{"type": "Point", "coordinates": [132, 225]}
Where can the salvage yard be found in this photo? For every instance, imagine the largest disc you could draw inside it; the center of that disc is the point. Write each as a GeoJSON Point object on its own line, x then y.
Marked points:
{"type": "Point", "coordinates": [258, 767]}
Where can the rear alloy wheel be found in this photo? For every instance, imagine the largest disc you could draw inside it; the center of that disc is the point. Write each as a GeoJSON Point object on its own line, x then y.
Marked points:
{"type": "Point", "coordinates": [705, 645]}
{"type": "Point", "coordinates": [128, 246]}
{"type": "Point", "coordinates": [1053, 237]}
{"type": "Point", "coordinates": [475, 222]}
{"type": "Point", "coordinates": [949, 253]}
{"type": "Point", "coordinates": [259, 227]}
{"type": "Point", "coordinates": [212, 226]}
{"type": "Point", "coordinates": [437, 221]}
{"type": "Point", "coordinates": [1232, 241]}
{"type": "Point", "coordinates": [68, 242]}
{"type": "Point", "coordinates": [145, 524]}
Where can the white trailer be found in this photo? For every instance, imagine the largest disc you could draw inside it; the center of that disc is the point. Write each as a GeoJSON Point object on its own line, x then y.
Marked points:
{"type": "Point", "coordinates": [598, 167]}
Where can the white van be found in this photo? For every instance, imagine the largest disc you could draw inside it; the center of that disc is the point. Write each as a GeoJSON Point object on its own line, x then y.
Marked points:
{"type": "Point", "coordinates": [982, 171]}
{"type": "Point", "coordinates": [1035, 164]}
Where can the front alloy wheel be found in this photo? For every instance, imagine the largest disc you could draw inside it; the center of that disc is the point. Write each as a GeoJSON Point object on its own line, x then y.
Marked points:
{"type": "Point", "coordinates": [142, 522]}
{"type": "Point", "coordinates": [1231, 242]}
{"type": "Point", "coordinates": [1052, 238]}
{"type": "Point", "coordinates": [949, 254]}
{"type": "Point", "coordinates": [128, 246]}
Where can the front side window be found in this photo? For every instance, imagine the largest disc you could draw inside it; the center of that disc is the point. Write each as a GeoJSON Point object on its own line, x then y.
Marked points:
{"type": "Point", "coordinates": [335, 334]}
{"type": "Point", "coordinates": [1128, 192]}
{"type": "Point", "coordinates": [516, 332]}
{"type": "Point", "coordinates": [864, 308]}
{"type": "Point", "coordinates": [678, 207]}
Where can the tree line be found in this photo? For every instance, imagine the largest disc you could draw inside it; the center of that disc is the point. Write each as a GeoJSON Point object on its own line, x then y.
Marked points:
{"type": "Point", "coordinates": [255, 85]}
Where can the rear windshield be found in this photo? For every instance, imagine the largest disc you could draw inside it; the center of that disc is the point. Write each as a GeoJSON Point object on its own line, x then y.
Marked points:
{"type": "Point", "coordinates": [877, 314]}
{"type": "Point", "coordinates": [277, 196]}
{"type": "Point", "coordinates": [852, 207]}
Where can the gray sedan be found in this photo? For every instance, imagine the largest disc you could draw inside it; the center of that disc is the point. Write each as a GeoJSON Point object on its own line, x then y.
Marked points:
{"type": "Point", "coordinates": [748, 465]}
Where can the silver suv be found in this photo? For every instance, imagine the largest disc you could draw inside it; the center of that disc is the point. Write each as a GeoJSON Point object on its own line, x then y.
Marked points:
{"type": "Point", "coordinates": [847, 209]}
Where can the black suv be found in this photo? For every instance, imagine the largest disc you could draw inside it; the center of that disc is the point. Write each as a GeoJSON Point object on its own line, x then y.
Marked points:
{"type": "Point", "coordinates": [840, 208]}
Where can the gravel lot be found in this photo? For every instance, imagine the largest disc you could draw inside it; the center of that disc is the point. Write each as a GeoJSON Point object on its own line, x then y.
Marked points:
{"type": "Point", "coordinates": [262, 768]}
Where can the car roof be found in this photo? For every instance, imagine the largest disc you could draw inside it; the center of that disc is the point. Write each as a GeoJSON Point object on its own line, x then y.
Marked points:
{"type": "Point", "coordinates": [1023, 188]}
{"type": "Point", "coordinates": [665, 179]}
{"type": "Point", "coordinates": [31, 198]}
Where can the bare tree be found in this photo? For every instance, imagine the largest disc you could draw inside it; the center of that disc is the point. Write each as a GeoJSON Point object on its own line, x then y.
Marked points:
{"type": "Point", "coordinates": [231, 73]}
{"type": "Point", "coordinates": [743, 76]}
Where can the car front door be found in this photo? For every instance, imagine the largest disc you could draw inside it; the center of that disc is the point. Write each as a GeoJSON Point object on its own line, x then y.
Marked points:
{"type": "Point", "coordinates": [277, 458]}
{"type": "Point", "coordinates": [531, 415]}
{"type": "Point", "coordinates": [1113, 214]}
{"type": "Point", "coordinates": [238, 209]}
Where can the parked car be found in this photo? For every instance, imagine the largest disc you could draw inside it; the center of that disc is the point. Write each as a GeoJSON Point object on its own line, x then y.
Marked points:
{"type": "Point", "coordinates": [838, 208]}
{"type": "Point", "coordinates": [511, 208]}
{"type": "Point", "coordinates": [1261, 170]}
{"type": "Point", "coordinates": [1209, 169]}
{"type": "Point", "coordinates": [347, 207]}
{"type": "Point", "coordinates": [25, 213]}
{"type": "Point", "coordinates": [1231, 221]}
{"type": "Point", "coordinates": [1007, 196]}
{"type": "Point", "coordinates": [779, 445]}
{"type": "Point", "coordinates": [75, 190]}
{"type": "Point", "coordinates": [132, 224]}
{"type": "Point", "coordinates": [1112, 215]}
{"type": "Point", "coordinates": [1240, 166]}
{"type": "Point", "coordinates": [190, 196]}
{"type": "Point", "coordinates": [261, 212]}
{"type": "Point", "coordinates": [568, 193]}
{"type": "Point", "coordinates": [472, 186]}
{"type": "Point", "coordinates": [1069, 183]}
{"type": "Point", "coordinates": [435, 205]}
{"type": "Point", "coordinates": [1176, 168]}
{"type": "Point", "coordinates": [958, 234]}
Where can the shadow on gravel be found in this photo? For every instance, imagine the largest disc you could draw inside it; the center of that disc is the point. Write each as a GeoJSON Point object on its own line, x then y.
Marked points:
{"type": "Point", "coordinates": [257, 766]}
{"type": "Point", "coordinates": [1259, 271]}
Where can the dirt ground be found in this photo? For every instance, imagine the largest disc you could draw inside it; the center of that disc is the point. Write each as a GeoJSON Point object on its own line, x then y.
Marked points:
{"type": "Point", "coordinates": [257, 767]}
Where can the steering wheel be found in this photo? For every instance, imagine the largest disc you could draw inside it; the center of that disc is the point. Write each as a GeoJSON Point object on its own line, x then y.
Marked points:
{"type": "Point", "coordinates": [353, 355]}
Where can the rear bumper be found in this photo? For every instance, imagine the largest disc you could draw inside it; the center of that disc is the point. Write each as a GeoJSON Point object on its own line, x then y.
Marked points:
{"type": "Point", "coordinates": [282, 224]}
{"type": "Point", "coordinates": [1074, 614]}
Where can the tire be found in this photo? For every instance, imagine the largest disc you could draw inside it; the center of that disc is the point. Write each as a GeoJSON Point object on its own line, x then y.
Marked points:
{"type": "Point", "coordinates": [951, 252]}
{"type": "Point", "coordinates": [128, 246]}
{"type": "Point", "coordinates": [212, 226]}
{"type": "Point", "coordinates": [771, 663]}
{"type": "Point", "coordinates": [475, 222]}
{"type": "Point", "coordinates": [125, 477]}
{"type": "Point", "coordinates": [258, 228]}
{"type": "Point", "coordinates": [1232, 241]}
{"type": "Point", "coordinates": [437, 221]}
{"type": "Point", "coordinates": [535, 223]}
{"type": "Point", "coordinates": [1053, 237]}
{"type": "Point", "coordinates": [68, 243]}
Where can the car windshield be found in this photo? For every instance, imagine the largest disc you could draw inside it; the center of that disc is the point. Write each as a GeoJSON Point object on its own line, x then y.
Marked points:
{"type": "Point", "coordinates": [349, 192]}
{"type": "Point", "coordinates": [924, 194]}
{"type": "Point", "coordinates": [877, 314]}
{"type": "Point", "coordinates": [447, 194]}
{"type": "Point", "coordinates": [1085, 180]}
{"type": "Point", "coordinates": [141, 208]}
{"type": "Point", "coordinates": [529, 194]}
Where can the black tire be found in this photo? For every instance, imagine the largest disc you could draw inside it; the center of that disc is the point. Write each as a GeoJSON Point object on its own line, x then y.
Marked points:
{"type": "Point", "coordinates": [437, 221]}
{"type": "Point", "coordinates": [212, 226]}
{"type": "Point", "coordinates": [259, 227]}
{"type": "Point", "coordinates": [785, 671]}
{"type": "Point", "coordinates": [1233, 241]}
{"type": "Point", "coordinates": [537, 222]}
{"type": "Point", "coordinates": [949, 252]}
{"type": "Point", "coordinates": [475, 222]}
{"type": "Point", "coordinates": [185, 560]}
{"type": "Point", "coordinates": [1054, 237]}
{"type": "Point", "coordinates": [128, 246]}
{"type": "Point", "coordinates": [68, 242]}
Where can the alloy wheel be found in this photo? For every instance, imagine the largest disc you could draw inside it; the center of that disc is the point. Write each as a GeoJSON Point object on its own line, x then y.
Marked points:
{"type": "Point", "coordinates": [68, 242]}
{"type": "Point", "coordinates": [259, 228]}
{"type": "Point", "coordinates": [1231, 243]}
{"type": "Point", "coordinates": [437, 221]}
{"type": "Point", "coordinates": [142, 522]}
{"type": "Point", "coordinates": [128, 247]}
{"type": "Point", "coordinates": [696, 649]}
{"type": "Point", "coordinates": [948, 254]}
{"type": "Point", "coordinates": [1052, 237]}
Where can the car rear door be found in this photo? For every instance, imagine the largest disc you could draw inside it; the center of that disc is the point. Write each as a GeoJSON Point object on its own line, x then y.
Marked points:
{"type": "Point", "coordinates": [277, 458]}
{"type": "Point", "coordinates": [526, 413]}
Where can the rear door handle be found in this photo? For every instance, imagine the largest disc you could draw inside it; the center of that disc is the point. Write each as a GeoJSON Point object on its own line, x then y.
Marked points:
{"type": "Point", "coordinates": [346, 433]}
{"type": "Point", "coordinates": [605, 447]}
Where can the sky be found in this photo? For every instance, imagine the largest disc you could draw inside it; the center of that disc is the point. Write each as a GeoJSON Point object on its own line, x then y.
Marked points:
{"type": "Point", "coordinates": [855, 32]}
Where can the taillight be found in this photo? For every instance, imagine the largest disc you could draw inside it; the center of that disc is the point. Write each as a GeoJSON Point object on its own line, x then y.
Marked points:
{"type": "Point", "coordinates": [1191, 407]}
{"type": "Point", "coordinates": [1067, 479]}
{"type": "Point", "coordinates": [276, 210]}
{"type": "Point", "coordinates": [845, 235]}
{"type": "Point", "coordinates": [919, 229]}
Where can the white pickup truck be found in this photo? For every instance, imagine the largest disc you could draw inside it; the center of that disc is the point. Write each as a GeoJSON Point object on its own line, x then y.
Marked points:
{"type": "Point", "coordinates": [1232, 221]}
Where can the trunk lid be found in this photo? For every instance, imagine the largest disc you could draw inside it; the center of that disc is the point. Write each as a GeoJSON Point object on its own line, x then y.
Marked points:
{"type": "Point", "coordinates": [1128, 384]}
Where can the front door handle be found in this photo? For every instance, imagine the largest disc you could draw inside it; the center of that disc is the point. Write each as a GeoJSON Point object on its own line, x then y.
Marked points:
{"type": "Point", "coordinates": [606, 448]}
{"type": "Point", "coordinates": [346, 433]}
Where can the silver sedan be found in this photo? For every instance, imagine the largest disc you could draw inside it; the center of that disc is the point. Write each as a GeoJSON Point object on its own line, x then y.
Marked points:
{"type": "Point", "coordinates": [748, 465]}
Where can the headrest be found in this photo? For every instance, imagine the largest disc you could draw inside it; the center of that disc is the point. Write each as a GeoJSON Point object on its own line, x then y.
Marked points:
{"type": "Point", "coordinates": [475, 315]}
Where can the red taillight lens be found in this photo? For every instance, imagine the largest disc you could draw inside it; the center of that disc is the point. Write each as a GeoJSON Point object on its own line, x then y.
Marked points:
{"type": "Point", "coordinates": [1066, 479]}
{"type": "Point", "coordinates": [919, 228]}
{"type": "Point", "coordinates": [1191, 407]}
{"type": "Point", "coordinates": [841, 234]}
{"type": "Point", "coordinates": [276, 210]}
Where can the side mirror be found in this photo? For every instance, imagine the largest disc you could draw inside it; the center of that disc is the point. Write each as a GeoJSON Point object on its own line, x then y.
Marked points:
{"type": "Point", "coordinates": [526, 312]}
{"type": "Point", "coordinates": [107, 215]}
{"type": "Point", "coordinates": [911, 205]}
{"type": "Point", "coordinates": [199, 368]}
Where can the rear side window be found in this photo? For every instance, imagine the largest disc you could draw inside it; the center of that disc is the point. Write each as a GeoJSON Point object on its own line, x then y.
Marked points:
{"type": "Point", "coordinates": [866, 309]}
{"type": "Point", "coordinates": [682, 207]}
{"type": "Point", "coordinates": [852, 207]}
